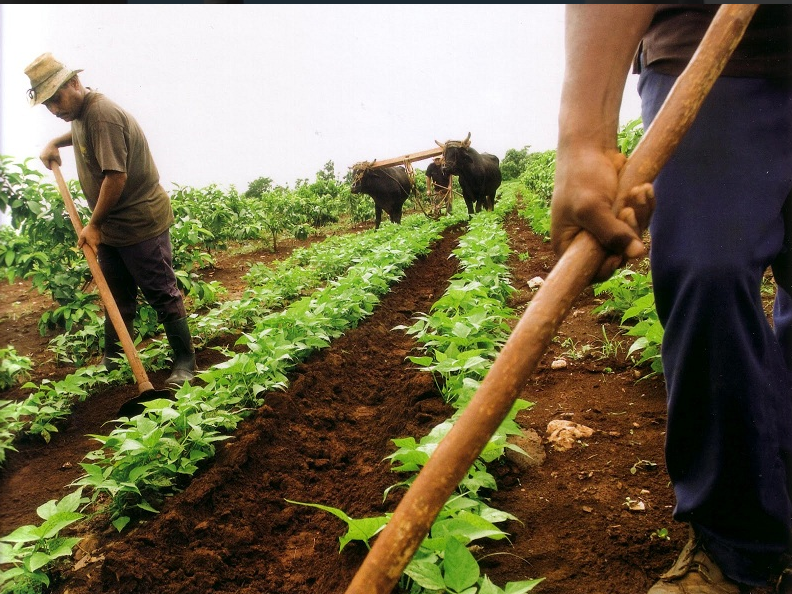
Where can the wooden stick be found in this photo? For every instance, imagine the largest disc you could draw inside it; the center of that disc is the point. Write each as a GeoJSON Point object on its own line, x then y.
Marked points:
{"type": "Point", "coordinates": [395, 546]}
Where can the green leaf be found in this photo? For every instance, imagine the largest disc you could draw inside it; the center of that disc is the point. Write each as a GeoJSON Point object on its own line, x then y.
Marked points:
{"type": "Point", "coordinates": [522, 586]}
{"type": "Point", "coordinates": [64, 549]}
{"type": "Point", "coordinates": [27, 533]}
{"type": "Point", "coordinates": [8, 576]}
{"type": "Point", "coordinates": [147, 506]}
{"type": "Point", "coordinates": [57, 522]}
{"type": "Point", "coordinates": [362, 529]}
{"type": "Point", "coordinates": [71, 502]}
{"type": "Point", "coordinates": [460, 569]}
{"type": "Point", "coordinates": [425, 574]}
{"type": "Point", "coordinates": [487, 587]}
{"type": "Point", "coordinates": [130, 445]}
{"type": "Point", "coordinates": [47, 510]}
{"type": "Point", "coordinates": [421, 361]}
{"type": "Point", "coordinates": [468, 527]}
{"type": "Point", "coordinates": [37, 561]}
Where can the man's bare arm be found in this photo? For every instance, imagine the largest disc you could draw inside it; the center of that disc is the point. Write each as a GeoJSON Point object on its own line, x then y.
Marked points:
{"type": "Point", "coordinates": [600, 41]}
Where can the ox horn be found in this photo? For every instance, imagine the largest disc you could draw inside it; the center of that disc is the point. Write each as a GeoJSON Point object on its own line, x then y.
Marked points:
{"type": "Point", "coordinates": [466, 142]}
{"type": "Point", "coordinates": [441, 145]}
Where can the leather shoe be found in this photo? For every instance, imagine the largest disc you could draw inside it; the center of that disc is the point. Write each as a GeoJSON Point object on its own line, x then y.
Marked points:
{"type": "Point", "coordinates": [784, 584]}
{"type": "Point", "coordinates": [696, 573]}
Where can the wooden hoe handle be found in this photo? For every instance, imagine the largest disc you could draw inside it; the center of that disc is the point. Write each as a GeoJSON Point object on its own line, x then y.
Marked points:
{"type": "Point", "coordinates": [396, 544]}
{"type": "Point", "coordinates": [144, 385]}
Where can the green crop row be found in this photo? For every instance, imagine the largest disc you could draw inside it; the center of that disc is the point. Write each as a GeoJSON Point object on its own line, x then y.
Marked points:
{"type": "Point", "coordinates": [461, 336]}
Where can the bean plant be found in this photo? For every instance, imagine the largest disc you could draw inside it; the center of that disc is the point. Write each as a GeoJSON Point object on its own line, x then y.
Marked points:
{"type": "Point", "coordinates": [13, 367]}
{"type": "Point", "coordinates": [33, 550]}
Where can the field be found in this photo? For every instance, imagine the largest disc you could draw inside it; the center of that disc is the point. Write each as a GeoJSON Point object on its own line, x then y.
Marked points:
{"type": "Point", "coordinates": [591, 519]}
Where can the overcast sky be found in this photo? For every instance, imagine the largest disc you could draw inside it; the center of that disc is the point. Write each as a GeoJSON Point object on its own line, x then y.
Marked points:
{"type": "Point", "coordinates": [228, 93]}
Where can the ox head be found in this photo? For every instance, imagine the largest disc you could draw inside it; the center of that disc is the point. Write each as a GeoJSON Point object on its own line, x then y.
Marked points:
{"type": "Point", "coordinates": [359, 171]}
{"type": "Point", "coordinates": [453, 153]}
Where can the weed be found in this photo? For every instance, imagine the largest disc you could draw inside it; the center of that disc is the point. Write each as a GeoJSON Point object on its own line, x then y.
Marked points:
{"type": "Point", "coordinates": [661, 533]}
{"type": "Point", "coordinates": [609, 348]}
{"type": "Point", "coordinates": [574, 350]}
{"type": "Point", "coordinates": [643, 465]}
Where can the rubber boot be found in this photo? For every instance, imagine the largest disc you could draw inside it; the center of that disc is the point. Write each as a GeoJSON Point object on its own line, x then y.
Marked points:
{"type": "Point", "coordinates": [113, 348]}
{"type": "Point", "coordinates": [180, 340]}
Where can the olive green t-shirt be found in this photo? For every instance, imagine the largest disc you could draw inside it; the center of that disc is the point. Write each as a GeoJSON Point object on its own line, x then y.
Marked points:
{"type": "Point", "coordinates": [765, 51]}
{"type": "Point", "coordinates": [107, 138]}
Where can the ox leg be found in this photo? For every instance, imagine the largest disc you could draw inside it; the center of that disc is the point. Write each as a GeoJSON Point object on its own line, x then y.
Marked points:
{"type": "Point", "coordinates": [469, 204]}
{"type": "Point", "coordinates": [377, 216]}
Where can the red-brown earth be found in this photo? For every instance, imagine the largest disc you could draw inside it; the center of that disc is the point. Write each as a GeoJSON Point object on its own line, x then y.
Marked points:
{"type": "Point", "coordinates": [325, 438]}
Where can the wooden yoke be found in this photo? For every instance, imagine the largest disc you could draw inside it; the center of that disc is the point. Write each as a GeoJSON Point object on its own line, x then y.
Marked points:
{"type": "Point", "coordinates": [408, 158]}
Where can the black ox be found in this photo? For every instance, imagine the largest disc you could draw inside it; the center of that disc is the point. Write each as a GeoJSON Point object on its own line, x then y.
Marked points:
{"type": "Point", "coordinates": [479, 173]}
{"type": "Point", "coordinates": [388, 186]}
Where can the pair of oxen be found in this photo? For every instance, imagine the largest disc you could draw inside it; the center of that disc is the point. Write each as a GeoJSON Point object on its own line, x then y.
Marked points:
{"type": "Point", "coordinates": [478, 173]}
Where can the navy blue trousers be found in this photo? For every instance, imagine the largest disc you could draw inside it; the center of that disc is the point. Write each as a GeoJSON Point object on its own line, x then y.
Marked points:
{"type": "Point", "coordinates": [717, 227]}
{"type": "Point", "coordinates": [147, 266]}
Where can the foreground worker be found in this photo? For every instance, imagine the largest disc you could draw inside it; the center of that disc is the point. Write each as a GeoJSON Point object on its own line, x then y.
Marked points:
{"type": "Point", "coordinates": [129, 229]}
{"type": "Point", "coordinates": [721, 219]}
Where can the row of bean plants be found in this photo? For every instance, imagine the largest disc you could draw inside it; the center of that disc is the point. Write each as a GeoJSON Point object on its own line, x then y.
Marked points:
{"type": "Point", "coordinates": [461, 336]}
{"type": "Point", "coordinates": [154, 454]}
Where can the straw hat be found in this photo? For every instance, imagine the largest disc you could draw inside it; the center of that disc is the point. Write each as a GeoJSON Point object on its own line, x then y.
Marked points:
{"type": "Point", "coordinates": [46, 75]}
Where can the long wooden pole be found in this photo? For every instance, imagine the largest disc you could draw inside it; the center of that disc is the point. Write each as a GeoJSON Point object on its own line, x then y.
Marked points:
{"type": "Point", "coordinates": [144, 385]}
{"type": "Point", "coordinates": [408, 158]}
{"type": "Point", "coordinates": [396, 544]}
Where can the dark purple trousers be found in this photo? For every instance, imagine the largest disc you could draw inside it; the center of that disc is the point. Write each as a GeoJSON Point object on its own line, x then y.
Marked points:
{"type": "Point", "coordinates": [147, 266]}
{"type": "Point", "coordinates": [717, 227]}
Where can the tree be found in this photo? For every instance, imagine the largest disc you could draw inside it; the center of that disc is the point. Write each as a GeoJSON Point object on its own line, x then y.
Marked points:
{"type": "Point", "coordinates": [277, 214]}
{"type": "Point", "coordinates": [258, 187]}
{"type": "Point", "coordinates": [327, 173]}
{"type": "Point", "coordinates": [514, 163]}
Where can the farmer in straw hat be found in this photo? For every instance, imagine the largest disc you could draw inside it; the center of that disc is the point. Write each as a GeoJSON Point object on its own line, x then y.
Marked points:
{"type": "Point", "coordinates": [131, 212]}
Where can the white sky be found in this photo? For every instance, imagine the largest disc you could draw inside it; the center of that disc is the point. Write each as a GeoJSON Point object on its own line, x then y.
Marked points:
{"type": "Point", "coordinates": [228, 93]}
